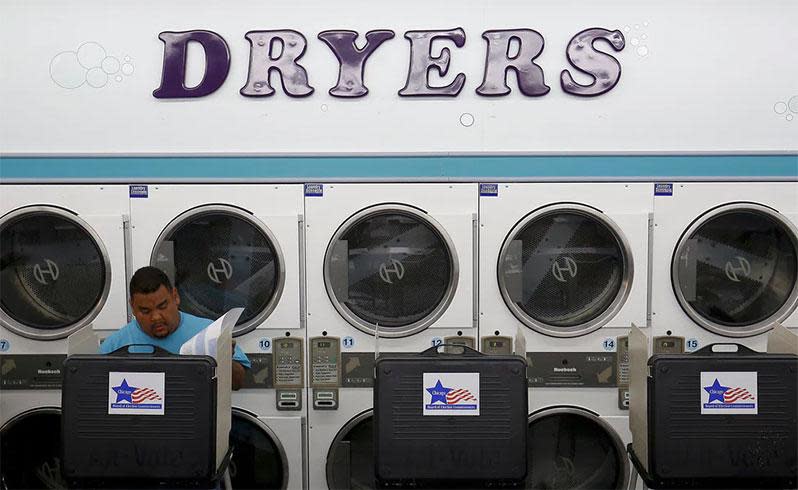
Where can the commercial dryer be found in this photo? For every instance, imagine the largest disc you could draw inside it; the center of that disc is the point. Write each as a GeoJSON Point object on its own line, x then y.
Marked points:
{"type": "Point", "coordinates": [563, 266]}
{"type": "Point", "coordinates": [725, 263]}
{"type": "Point", "coordinates": [62, 268]}
{"type": "Point", "coordinates": [228, 246]}
{"type": "Point", "coordinates": [393, 261]}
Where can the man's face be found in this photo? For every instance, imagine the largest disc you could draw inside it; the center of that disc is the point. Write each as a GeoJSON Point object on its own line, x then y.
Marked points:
{"type": "Point", "coordinates": [157, 312]}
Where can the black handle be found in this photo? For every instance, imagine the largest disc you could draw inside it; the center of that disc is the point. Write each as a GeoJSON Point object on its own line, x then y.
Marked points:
{"type": "Point", "coordinates": [467, 351]}
{"type": "Point", "coordinates": [709, 350]}
{"type": "Point", "coordinates": [125, 351]}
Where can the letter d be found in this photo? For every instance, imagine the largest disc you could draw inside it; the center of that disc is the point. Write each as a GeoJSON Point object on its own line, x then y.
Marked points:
{"type": "Point", "coordinates": [173, 77]}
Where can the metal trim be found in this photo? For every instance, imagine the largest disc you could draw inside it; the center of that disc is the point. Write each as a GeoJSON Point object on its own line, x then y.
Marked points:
{"type": "Point", "coordinates": [454, 274]}
{"type": "Point", "coordinates": [303, 306]}
{"type": "Point", "coordinates": [762, 326]}
{"type": "Point", "coordinates": [127, 238]}
{"type": "Point", "coordinates": [617, 443]}
{"type": "Point", "coordinates": [620, 297]}
{"type": "Point", "coordinates": [59, 333]}
{"type": "Point", "coordinates": [253, 419]}
{"type": "Point", "coordinates": [250, 218]}
{"type": "Point", "coordinates": [351, 424]}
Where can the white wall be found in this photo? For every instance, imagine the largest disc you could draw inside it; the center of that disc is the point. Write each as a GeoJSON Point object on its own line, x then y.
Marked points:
{"type": "Point", "coordinates": [714, 72]}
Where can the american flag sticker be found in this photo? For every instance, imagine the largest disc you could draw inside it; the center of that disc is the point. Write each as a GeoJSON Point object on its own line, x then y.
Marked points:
{"type": "Point", "coordinates": [450, 394]}
{"type": "Point", "coordinates": [729, 393]}
{"type": "Point", "coordinates": [136, 393]}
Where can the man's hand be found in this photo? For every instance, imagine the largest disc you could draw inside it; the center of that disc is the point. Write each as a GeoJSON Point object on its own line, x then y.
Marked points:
{"type": "Point", "coordinates": [238, 376]}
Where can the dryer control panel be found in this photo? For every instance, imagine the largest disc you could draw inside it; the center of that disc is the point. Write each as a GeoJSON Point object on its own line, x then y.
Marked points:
{"type": "Point", "coordinates": [325, 371]}
{"type": "Point", "coordinates": [497, 345]}
{"type": "Point", "coordinates": [288, 372]}
{"type": "Point", "coordinates": [459, 340]}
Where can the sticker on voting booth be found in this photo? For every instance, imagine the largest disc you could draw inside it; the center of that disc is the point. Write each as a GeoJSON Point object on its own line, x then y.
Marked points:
{"type": "Point", "coordinates": [136, 393]}
{"type": "Point", "coordinates": [729, 393]}
{"type": "Point", "coordinates": [451, 394]}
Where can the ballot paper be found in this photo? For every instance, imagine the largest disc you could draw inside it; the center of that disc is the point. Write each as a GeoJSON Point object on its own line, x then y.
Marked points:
{"type": "Point", "coordinates": [217, 341]}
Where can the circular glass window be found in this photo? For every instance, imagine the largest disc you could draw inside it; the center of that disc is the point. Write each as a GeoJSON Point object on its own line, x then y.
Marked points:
{"type": "Point", "coordinates": [735, 270]}
{"type": "Point", "coordinates": [54, 272]}
{"type": "Point", "coordinates": [350, 461]}
{"type": "Point", "coordinates": [390, 266]}
{"type": "Point", "coordinates": [220, 258]}
{"type": "Point", "coordinates": [565, 270]}
{"type": "Point", "coordinates": [572, 448]}
{"type": "Point", "coordinates": [30, 448]}
{"type": "Point", "coordinates": [258, 460]}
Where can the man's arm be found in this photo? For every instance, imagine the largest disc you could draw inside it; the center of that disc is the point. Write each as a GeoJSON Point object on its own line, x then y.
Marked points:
{"type": "Point", "coordinates": [238, 376]}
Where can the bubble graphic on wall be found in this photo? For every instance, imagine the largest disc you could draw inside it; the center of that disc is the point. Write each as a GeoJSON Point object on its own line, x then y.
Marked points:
{"type": "Point", "coordinates": [787, 108]}
{"type": "Point", "coordinates": [89, 64]}
{"type": "Point", "coordinates": [639, 38]}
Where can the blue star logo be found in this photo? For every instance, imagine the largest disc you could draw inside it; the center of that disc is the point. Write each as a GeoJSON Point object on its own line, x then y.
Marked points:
{"type": "Point", "coordinates": [124, 392]}
{"type": "Point", "coordinates": [716, 391]}
{"type": "Point", "coordinates": [438, 393]}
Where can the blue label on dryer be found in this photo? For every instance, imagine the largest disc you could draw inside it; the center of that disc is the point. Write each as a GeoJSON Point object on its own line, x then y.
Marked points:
{"type": "Point", "coordinates": [491, 190]}
{"type": "Point", "coordinates": [138, 191]}
{"type": "Point", "coordinates": [314, 190]}
{"type": "Point", "coordinates": [663, 189]}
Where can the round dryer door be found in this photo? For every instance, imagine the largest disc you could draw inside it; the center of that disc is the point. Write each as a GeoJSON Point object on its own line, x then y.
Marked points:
{"type": "Point", "coordinates": [54, 272]}
{"type": "Point", "coordinates": [222, 257]}
{"type": "Point", "coordinates": [258, 457]}
{"type": "Point", "coordinates": [350, 460]}
{"type": "Point", "coordinates": [735, 269]}
{"type": "Point", "coordinates": [391, 266]}
{"type": "Point", "coordinates": [571, 448]}
{"type": "Point", "coordinates": [30, 451]}
{"type": "Point", "coordinates": [565, 270]}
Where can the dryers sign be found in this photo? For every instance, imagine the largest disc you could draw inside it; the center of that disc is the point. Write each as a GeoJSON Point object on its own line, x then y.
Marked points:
{"type": "Point", "coordinates": [729, 393]}
{"type": "Point", "coordinates": [451, 394]}
{"type": "Point", "coordinates": [136, 393]}
{"type": "Point", "coordinates": [278, 52]}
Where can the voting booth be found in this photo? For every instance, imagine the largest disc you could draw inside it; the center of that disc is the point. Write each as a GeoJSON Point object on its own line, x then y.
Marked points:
{"type": "Point", "coordinates": [455, 419]}
{"type": "Point", "coordinates": [721, 417]}
{"type": "Point", "coordinates": [149, 419]}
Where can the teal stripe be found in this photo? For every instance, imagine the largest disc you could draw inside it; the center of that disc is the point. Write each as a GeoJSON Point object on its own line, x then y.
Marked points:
{"type": "Point", "coordinates": [434, 167]}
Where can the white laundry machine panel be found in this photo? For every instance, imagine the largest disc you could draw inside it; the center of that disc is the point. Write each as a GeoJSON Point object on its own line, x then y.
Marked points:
{"type": "Point", "coordinates": [565, 266]}
{"type": "Point", "coordinates": [225, 246]}
{"type": "Point", "coordinates": [63, 264]}
{"type": "Point", "coordinates": [725, 263]}
{"type": "Point", "coordinates": [393, 258]}
{"type": "Point", "coordinates": [268, 445]}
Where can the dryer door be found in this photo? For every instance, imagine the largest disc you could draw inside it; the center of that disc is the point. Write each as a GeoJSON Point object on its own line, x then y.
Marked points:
{"type": "Point", "coordinates": [259, 460]}
{"type": "Point", "coordinates": [571, 448]}
{"type": "Point", "coordinates": [391, 266]}
{"type": "Point", "coordinates": [55, 273]}
{"type": "Point", "coordinates": [565, 270]}
{"type": "Point", "coordinates": [222, 257]}
{"type": "Point", "coordinates": [735, 269]}
{"type": "Point", "coordinates": [350, 460]}
{"type": "Point", "coordinates": [30, 451]}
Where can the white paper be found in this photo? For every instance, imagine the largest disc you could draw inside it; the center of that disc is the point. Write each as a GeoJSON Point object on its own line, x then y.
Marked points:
{"type": "Point", "coordinates": [217, 340]}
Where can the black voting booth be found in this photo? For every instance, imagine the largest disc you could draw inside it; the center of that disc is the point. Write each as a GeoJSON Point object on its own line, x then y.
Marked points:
{"type": "Point", "coordinates": [717, 418]}
{"type": "Point", "coordinates": [169, 437]}
{"type": "Point", "coordinates": [421, 441]}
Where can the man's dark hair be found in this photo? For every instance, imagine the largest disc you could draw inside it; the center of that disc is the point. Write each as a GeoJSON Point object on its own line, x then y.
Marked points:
{"type": "Point", "coordinates": [148, 280]}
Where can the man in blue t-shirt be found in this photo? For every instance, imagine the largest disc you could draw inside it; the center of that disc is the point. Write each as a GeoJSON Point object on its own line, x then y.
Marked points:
{"type": "Point", "coordinates": [158, 321]}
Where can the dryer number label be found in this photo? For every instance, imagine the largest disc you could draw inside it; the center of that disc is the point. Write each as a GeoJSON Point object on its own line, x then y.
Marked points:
{"type": "Point", "coordinates": [5, 345]}
{"type": "Point", "coordinates": [265, 344]}
{"type": "Point", "coordinates": [610, 344]}
{"type": "Point", "coordinates": [691, 345]}
{"type": "Point", "coordinates": [436, 341]}
{"type": "Point", "coordinates": [348, 342]}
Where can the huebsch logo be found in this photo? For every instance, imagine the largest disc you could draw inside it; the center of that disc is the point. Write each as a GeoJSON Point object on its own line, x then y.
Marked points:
{"type": "Point", "coordinates": [392, 268]}
{"type": "Point", "coordinates": [42, 272]}
{"type": "Point", "coordinates": [563, 269]}
{"type": "Point", "coordinates": [736, 271]}
{"type": "Point", "coordinates": [221, 272]}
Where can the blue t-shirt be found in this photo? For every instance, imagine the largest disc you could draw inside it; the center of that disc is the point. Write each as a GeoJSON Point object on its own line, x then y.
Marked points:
{"type": "Point", "coordinates": [189, 326]}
